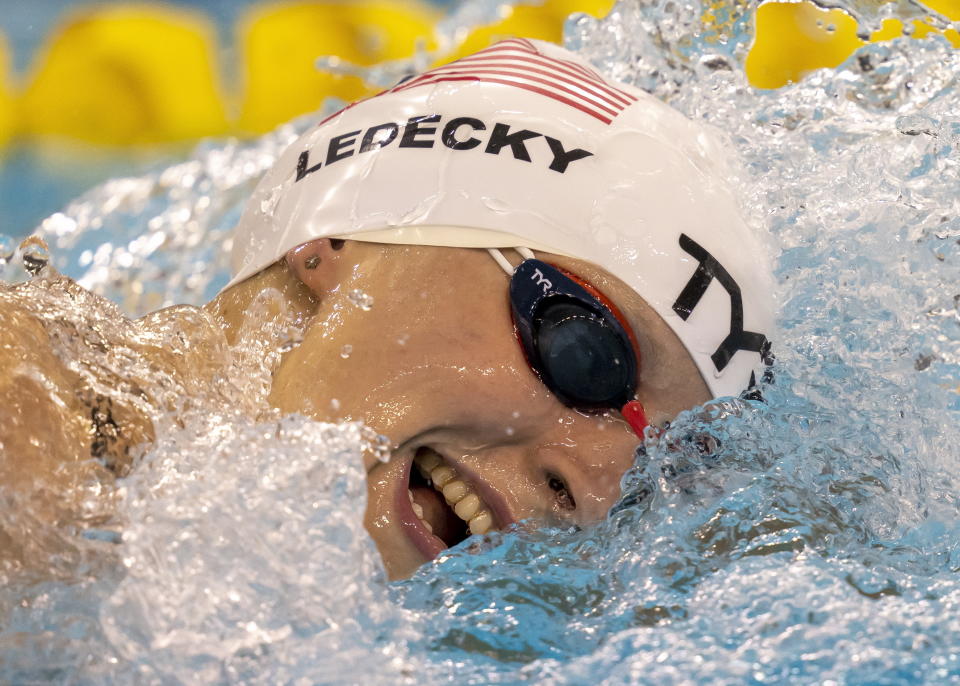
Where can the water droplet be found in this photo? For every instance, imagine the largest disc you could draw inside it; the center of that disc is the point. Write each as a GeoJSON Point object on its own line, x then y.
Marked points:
{"type": "Point", "coordinates": [346, 350]}
{"type": "Point", "coordinates": [292, 341]}
{"type": "Point", "coordinates": [382, 447]}
{"type": "Point", "coordinates": [35, 254]}
{"type": "Point", "coordinates": [403, 339]}
{"type": "Point", "coordinates": [510, 431]}
{"type": "Point", "coordinates": [334, 404]}
{"type": "Point", "coordinates": [360, 299]}
{"type": "Point", "coordinates": [377, 444]}
{"type": "Point", "coordinates": [915, 124]}
{"type": "Point", "coordinates": [7, 247]}
{"type": "Point", "coordinates": [268, 204]}
{"type": "Point", "coordinates": [715, 62]}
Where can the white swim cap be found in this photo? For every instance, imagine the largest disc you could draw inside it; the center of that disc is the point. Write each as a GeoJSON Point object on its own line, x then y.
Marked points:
{"type": "Point", "coordinates": [524, 144]}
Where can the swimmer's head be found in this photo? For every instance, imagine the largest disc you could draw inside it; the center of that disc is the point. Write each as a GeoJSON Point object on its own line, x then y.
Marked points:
{"type": "Point", "coordinates": [521, 147]}
{"type": "Point", "coordinates": [525, 145]}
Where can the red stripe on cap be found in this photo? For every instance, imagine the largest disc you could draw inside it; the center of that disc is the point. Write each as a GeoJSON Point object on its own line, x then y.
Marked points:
{"type": "Point", "coordinates": [521, 65]}
{"type": "Point", "coordinates": [566, 69]}
{"type": "Point", "coordinates": [516, 62]}
{"type": "Point", "coordinates": [534, 89]}
{"type": "Point", "coordinates": [528, 47]}
{"type": "Point", "coordinates": [523, 80]}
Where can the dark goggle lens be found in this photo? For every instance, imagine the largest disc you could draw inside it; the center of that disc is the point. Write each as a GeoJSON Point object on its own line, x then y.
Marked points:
{"type": "Point", "coordinates": [584, 360]}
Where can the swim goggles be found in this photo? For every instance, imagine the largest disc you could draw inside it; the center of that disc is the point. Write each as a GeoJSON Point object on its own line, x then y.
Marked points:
{"type": "Point", "coordinates": [574, 338]}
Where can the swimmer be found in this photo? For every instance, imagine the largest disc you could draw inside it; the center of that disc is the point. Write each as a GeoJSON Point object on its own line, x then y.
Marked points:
{"type": "Point", "coordinates": [554, 262]}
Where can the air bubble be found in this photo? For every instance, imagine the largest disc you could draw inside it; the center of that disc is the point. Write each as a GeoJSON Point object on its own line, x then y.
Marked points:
{"type": "Point", "coordinates": [346, 350]}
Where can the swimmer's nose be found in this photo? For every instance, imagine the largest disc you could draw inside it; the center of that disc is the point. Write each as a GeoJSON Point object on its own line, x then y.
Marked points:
{"type": "Point", "coordinates": [592, 460]}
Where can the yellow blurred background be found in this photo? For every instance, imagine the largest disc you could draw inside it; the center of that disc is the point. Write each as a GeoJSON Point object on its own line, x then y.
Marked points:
{"type": "Point", "coordinates": [121, 74]}
{"type": "Point", "coordinates": [124, 77]}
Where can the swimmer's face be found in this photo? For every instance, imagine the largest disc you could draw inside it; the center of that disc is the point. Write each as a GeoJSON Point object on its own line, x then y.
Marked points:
{"type": "Point", "coordinates": [435, 365]}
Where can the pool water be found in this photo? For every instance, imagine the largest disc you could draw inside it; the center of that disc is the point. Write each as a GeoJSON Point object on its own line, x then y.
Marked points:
{"type": "Point", "coordinates": [812, 537]}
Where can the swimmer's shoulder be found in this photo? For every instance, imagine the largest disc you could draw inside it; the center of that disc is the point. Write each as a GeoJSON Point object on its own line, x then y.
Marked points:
{"type": "Point", "coordinates": [42, 414]}
{"type": "Point", "coordinates": [47, 471]}
{"type": "Point", "coordinates": [26, 352]}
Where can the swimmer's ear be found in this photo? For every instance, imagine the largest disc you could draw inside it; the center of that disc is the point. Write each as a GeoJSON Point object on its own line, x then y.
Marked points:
{"type": "Point", "coordinates": [315, 264]}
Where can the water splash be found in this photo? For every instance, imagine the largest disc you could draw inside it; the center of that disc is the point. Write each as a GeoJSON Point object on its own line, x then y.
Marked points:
{"type": "Point", "coordinates": [813, 537]}
{"type": "Point", "coordinates": [164, 238]}
{"type": "Point", "coordinates": [870, 14]}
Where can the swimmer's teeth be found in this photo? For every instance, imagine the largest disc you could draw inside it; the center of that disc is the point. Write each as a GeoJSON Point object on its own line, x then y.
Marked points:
{"type": "Point", "coordinates": [454, 491]}
{"type": "Point", "coordinates": [441, 476]}
{"type": "Point", "coordinates": [418, 510]}
{"type": "Point", "coordinates": [427, 461]}
{"type": "Point", "coordinates": [468, 506]}
{"type": "Point", "coordinates": [481, 523]}
{"type": "Point", "coordinates": [465, 503]}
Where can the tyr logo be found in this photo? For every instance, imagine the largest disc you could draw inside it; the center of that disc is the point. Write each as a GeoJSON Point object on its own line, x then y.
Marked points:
{"type": "Point", "coordinates": [541, 280]}
{"type": "Point", "coordinates": [708, 270]}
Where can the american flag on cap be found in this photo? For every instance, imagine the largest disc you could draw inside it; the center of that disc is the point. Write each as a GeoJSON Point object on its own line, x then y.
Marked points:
{"type": "Point", "coordinates": [517, 62]}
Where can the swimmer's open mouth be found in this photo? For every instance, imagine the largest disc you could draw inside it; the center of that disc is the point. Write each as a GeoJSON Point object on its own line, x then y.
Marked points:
{"type": "Point", "coordinates": [445, 503]}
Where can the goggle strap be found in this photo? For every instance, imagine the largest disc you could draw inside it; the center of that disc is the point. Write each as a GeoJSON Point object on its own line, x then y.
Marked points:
{"type": "Point", "coordinates": [525, 253]}
{"type": "Point", "coordinates": [501, 260]}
